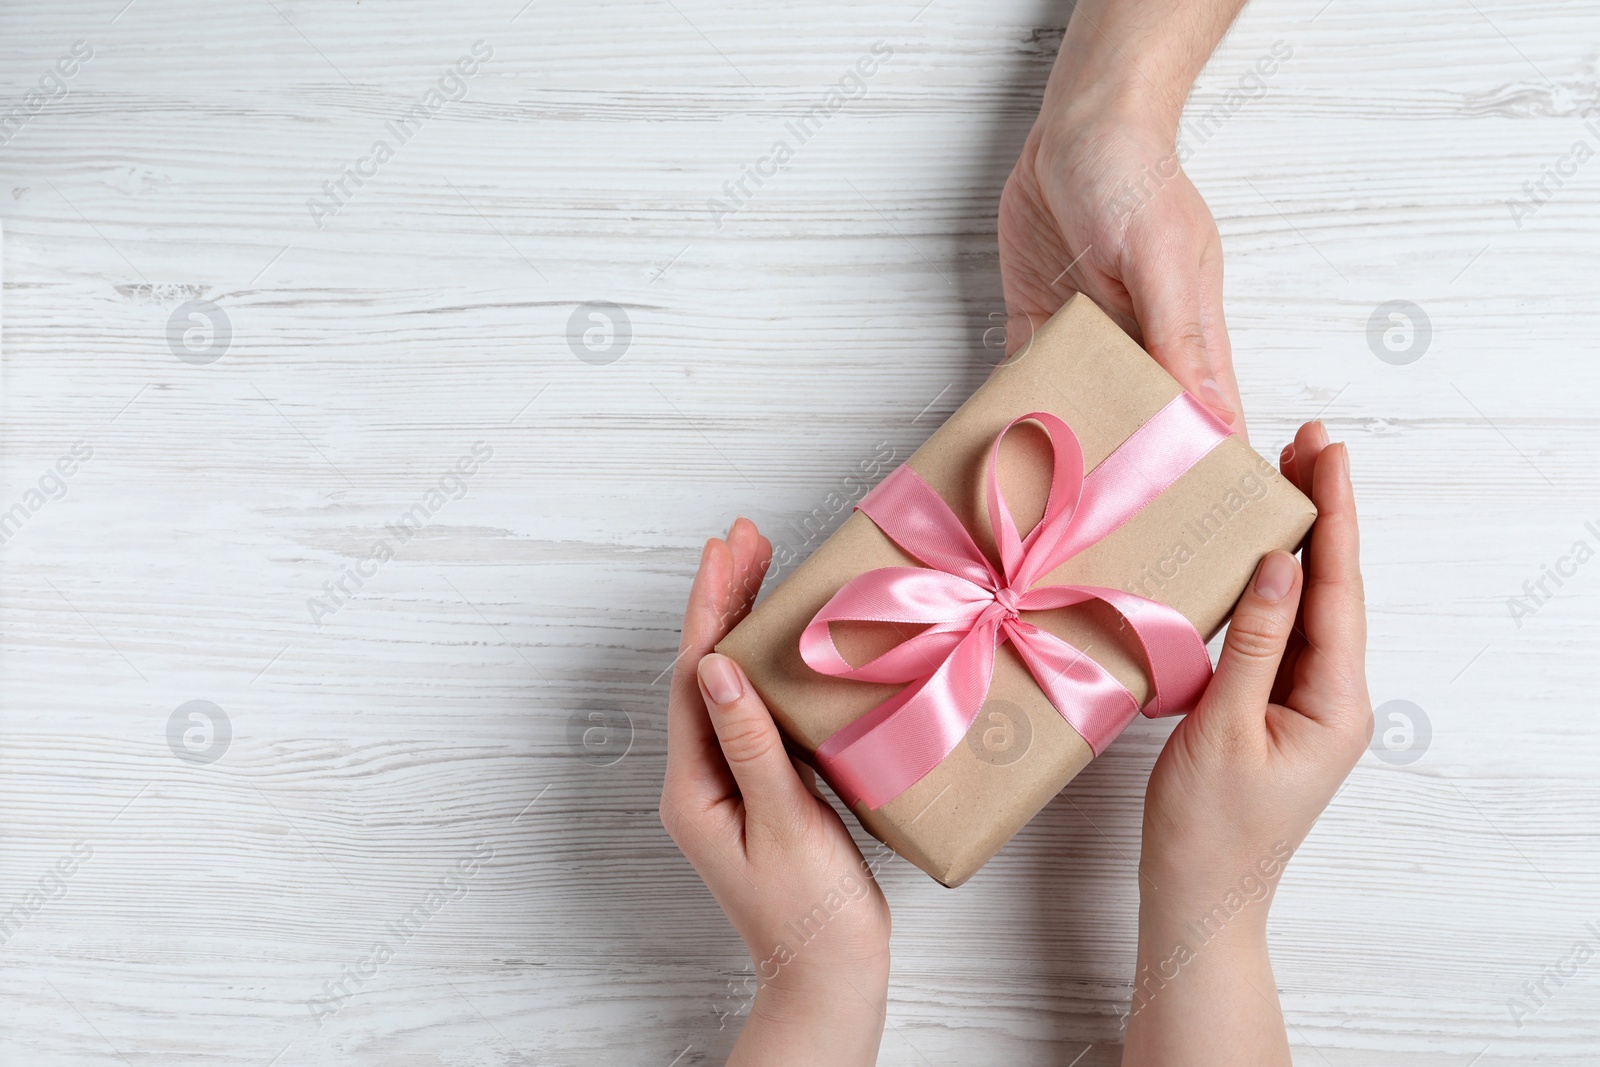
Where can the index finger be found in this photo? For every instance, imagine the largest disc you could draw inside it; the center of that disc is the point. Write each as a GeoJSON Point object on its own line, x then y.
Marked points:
{"type": "Point", "coordinates": [724, 588]}
{"type": "Point", "coordinates": [1334, 608]}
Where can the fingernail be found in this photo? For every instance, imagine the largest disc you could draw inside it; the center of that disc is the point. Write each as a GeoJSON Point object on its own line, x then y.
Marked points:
{"type": "Point", "coordinates": [1275, 576]}
{"type": "Point", "coordinates": [720, 678]}
{"type": "Point", "coordinates": [1288, 454]}
{"type": "Point", "coordinates": [1344, 460]}
{"type": "Point", "coordinates": [1211, 393]}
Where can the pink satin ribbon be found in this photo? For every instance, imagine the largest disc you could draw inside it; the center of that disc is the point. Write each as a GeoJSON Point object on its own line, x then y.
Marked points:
{"type": "Point", "coordinates": [969, 608]}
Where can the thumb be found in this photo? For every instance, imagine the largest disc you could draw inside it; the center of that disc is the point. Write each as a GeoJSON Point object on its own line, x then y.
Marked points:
{"type": "Point", "coordinates": [771, 789]}
{"type": "Point", "coordinates": [1175, 285]}
{"type": "Point", "coordinates": [1253, 649]}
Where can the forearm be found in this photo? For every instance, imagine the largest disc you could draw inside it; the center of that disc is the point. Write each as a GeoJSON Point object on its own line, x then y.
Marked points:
{"type": "Point", "coordinates": [1204, 995]}
{"type": "Point", "coordinates": [1136, 57]}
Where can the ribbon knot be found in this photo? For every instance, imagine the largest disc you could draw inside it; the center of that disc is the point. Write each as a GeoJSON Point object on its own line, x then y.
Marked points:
{"type": "Point", "coordinates": [1008, 599]}
{"type": "Point", "coordinates": [968, 607]}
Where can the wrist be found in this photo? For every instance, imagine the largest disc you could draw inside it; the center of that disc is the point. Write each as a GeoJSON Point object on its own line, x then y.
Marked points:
{"type": "Point", "coordinates": [1090, 97]}
{"type": "Point", "coordinates": [1128, 64]}
{"type": "Point", "coordinates": [1193, 940]}
{"type": "Point", "coordinates": [850, 998]}
{"type": "Point", "coordinates": [1226, 918]}
{"type": "Point", "coordinates": [1229, 903]}
{"type": "Point", "coordinates": [837, 1023]}
{"type": "Point", "coordinates": [817, 982]}
{"type": "Point", "coordinates": [1103, 122]}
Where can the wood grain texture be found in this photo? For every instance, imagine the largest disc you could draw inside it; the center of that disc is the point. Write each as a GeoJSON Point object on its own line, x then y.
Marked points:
{"type": "Point", "coordinates": [428, 719]}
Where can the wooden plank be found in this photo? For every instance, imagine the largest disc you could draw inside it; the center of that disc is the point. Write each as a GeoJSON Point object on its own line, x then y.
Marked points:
{"type": "Point", "coordinates": [846, 304]}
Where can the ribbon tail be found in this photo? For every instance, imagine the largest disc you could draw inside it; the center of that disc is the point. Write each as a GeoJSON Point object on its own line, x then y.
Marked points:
{"type": "Point", "coordinates": [895, 745]}
{"type": "Point", "coordinates": [1180, 667]}
{"type": "Point", "coordinates": [1093, 702]}
{"type": "Point", "coordinates": [1174, 653]}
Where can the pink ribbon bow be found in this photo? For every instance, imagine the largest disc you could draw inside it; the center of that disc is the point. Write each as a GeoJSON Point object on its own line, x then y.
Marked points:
{"type": "Point", "coordinates": [969, 608]}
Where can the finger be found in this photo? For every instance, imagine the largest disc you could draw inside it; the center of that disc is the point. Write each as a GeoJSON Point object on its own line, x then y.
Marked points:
{"type": "Point", "coordinates": [1298, 460]}
{"type": "Point", "coordinates": [1257, 634]}
{"type": "Point", "coordinates": [694, 760]}
{"type": "Point", "coordinates": [1309, 441]}
{"type": "Point", "coordinates": [751, 745]}
{"type": "Point", "coordinates": [1175, 284]}
{"type": "Point", "coordinates": [752, 555]}
{"type": "Point", "coordinates": [1335, 608]}
{"type": "Point", "coordinates": [724, 590]}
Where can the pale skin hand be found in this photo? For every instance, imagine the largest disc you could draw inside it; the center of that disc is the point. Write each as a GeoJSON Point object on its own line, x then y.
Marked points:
{"type": "Point", "coordinates": [1098, 189]}
{"type": "Point", "coordinates": [772, 852]}
{"type": "Point", "coordinates": [1098, 203]}
{"type": "Point", "coordinates": [1154, 262]}
{"type": "Point", "coordinates": [1236, 789]}
{"type": "Point", "coordinates": [1240, 783]}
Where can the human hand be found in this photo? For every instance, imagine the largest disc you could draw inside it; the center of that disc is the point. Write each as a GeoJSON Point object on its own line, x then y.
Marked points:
{"type": "Point", "coordinates": [773, 853]}
{"type": "Point", "coordinates": [1286, 716]}
{"type": "Point", "coordinates": [1098, 203]}
{"type": "Point", "coordinates": [1239, 784]}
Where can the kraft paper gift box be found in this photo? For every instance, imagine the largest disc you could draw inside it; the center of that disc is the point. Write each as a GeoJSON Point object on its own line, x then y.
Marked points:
{"type": "Point", "coordinates": [1194, 547]}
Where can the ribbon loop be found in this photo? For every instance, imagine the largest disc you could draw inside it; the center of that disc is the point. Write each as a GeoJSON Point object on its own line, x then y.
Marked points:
{"type": "Point", "coordinates": [1020, 556]}
{"type": "Point", "coordinates": [969, 608]}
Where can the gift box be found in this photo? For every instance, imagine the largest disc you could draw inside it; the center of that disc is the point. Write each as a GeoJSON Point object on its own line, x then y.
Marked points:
{"type": "Point", "coordinates": [940, 755]}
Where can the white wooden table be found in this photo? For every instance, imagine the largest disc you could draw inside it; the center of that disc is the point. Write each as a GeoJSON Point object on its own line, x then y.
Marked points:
{"type": "Point", "coordinates": [195, 880]}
